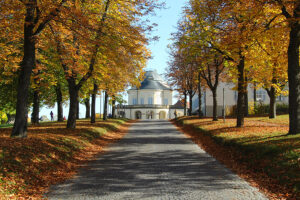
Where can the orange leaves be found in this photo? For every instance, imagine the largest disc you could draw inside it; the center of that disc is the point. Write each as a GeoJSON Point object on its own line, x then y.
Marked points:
{"type": "Point", "coordinates": [260, 152]}
{"type": "Point", "coordinates": [50, 155]}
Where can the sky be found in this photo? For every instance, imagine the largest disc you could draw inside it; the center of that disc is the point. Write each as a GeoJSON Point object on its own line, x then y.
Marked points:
{"type": "Point", "coordinates": [166, 19]}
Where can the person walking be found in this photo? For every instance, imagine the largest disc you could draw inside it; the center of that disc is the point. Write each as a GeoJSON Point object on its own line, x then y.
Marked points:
{"type": "Point", "coordinates": [51, 115]}
{"type": "Point", "coordinates": [175, 113]}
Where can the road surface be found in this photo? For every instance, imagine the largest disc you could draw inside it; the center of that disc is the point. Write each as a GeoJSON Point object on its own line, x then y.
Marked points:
{"type": "Point", "coordinates": [155, 161]}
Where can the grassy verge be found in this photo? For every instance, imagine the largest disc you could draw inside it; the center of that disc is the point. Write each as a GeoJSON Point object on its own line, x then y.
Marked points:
{"type": "Point", "coordinates": [261, 152]}
{"type": "Point", "coordinates": [50, 154]}
{"type": "Point", "coordinates": [280, 119]}
{"type": "Point", "coordinates": [6, 125]}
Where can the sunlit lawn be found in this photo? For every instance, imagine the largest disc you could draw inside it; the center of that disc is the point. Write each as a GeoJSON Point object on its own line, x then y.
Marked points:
{"type": "Point", "coordinates": [280, 119]}
{"type": "Point", "coordinates": [47, 155]}
{"type": "Point", "coordinates": [263, 142]}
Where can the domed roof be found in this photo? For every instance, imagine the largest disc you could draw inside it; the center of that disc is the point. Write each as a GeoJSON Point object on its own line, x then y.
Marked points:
{"type": "Point", "coordinates": [153, 81]}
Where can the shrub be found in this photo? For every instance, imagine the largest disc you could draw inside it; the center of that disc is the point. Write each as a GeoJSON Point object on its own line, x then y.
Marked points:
{"type": "Point", "coordinates": [260, 109]}
{"type": "Point", "coordinates": [3, 117]}
{"type": "Point", "coordinates": [282, 108]}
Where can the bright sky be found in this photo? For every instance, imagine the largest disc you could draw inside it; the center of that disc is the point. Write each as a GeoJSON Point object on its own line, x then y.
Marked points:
{"type": "Point", "coordinates": [166, 20]}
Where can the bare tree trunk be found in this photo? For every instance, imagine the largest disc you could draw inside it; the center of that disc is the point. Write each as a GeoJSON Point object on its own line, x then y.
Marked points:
{"type": "Point", "coordinates": [93, 118]}
{"type": "Point", "coordinates": [105, 106]}
{"type": "Point", "coordinates": [215, 105]}
{"type": "Point", "coordinates": [73, 91]}
{"type": "Point", "coordinates": [294, 76]}
{"type": "Point", "coordinates": [60, 117]}
{"type": "Point", "coordinates": [77, 110]}
{"type": "Point", "coordinates": [241, 93]}
{"type": "Point", "coordinates": [87, 107]}
{"type": "Point", "coordinates": [185, 98]}
{"type": "Point", "coordinates": [272, 95]}
{"type": "Point", "coordinates": [254, 94]}
{"type": "Point", "coordinates": [28, 62]}
{"type": "Point", "coordinates": [199, 96]}
{"type": "Point", "coordinates": [36, 108]}
{"type": "Point", "coordinates": [191, 103]}
{"type": "Point", "coordinates": [114, 107]}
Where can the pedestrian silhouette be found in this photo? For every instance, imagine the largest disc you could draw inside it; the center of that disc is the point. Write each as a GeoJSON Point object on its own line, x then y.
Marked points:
{"type": "Point", "coordinates": [51, 115]}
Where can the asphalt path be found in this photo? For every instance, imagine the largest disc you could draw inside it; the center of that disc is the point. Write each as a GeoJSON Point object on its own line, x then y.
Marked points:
{"type": "Point", "coordinates": [155, 161]}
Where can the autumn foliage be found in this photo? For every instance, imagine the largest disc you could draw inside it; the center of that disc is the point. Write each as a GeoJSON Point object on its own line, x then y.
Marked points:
{"type": "Point", "coordinates": [260, 152]}
{"type": "Point", "coordinates": [257, 40]}
{"type": "Point", "coordinates": [65, 48]}
{"type": "Point", "coordinates": [50, 155]}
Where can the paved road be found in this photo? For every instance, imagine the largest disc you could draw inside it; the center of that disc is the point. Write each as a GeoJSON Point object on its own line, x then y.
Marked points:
{"type": "Point", "coordinates": [155, 161]}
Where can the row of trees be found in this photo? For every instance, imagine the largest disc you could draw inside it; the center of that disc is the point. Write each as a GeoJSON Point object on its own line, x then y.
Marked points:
{"type": "Point", "coordinates": [242, 42]}
{"type": "Point", "coordinates": [71, 48]}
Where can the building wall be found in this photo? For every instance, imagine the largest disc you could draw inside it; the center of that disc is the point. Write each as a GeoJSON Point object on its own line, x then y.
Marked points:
{"type": "Point", "coordinates": [230, 98]}
{"type": "Point", "coordinates": [156, 113]}
{"type": "Point", "coordinates": [142, 97]}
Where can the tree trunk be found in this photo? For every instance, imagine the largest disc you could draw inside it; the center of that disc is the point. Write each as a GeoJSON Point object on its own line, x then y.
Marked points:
{"type": "Point", "coordinates": [77, 110]}
{"type": "Point", "coordinates": [87, 107]}
{"type": "Point", "coordinates": [246, 102]}
{"type": "Point", "coordinates": [241, 93]}
{"type": "Point", "coordinates": [185, 97]}
{"type": "Point", "coordinates": [294, 79]}
{"type": "Point", "coordinates": [272, 96]}
{"type": "Point", "coordinates": [93, 117]}
{"type": "Point", "coordinates": [199, 96]}
{"type": "Point", "coordinates": [191, 103]}
{"type": "Point", "coordinates": [114, 108]}
{"type": "Point", "coordinates": [254, 94]}
{"type": "Point", "coordinates": [73, 91]}
{"type": "Point", "coordinates": [215, 105]}
{"type": "Point", "coordinates": [28, 62]}
{"type": "Point", "coordinates": [105, 106]}
{"type": "Point", "coordinates": [36, 108]}
{"type": "Point", "coordinates": [60, 117]}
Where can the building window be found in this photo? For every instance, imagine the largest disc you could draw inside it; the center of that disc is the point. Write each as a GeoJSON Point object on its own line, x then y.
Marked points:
{"type": "Point", "coordinates": [134, 101]}
{"type": "Point", "coordinates": [166, 102]}
{"type": "Point", "coordinates": [261, 95]}
{"type": "Point", "coordinates": [150, 100]}
{"type": "Point", "coordinates": [142, 101]}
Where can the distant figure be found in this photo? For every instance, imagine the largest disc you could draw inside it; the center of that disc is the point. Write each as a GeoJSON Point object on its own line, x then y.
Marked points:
{"type": "Point", "coordinates": [51, 115]}
{"type": "Point", "coordinates": [175, 113]}
{"type": "Point", "coordinates": [65, 118]}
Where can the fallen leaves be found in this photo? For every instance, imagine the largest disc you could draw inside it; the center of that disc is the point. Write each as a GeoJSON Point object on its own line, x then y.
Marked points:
{"type": "Point", "coordinates": [260, 152]}
{"type": "Point", "coordinates": [50, 155]}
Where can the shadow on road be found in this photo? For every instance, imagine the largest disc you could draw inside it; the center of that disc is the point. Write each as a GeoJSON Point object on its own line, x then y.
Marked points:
{"type": "Point", "coordinates": [153, 159]}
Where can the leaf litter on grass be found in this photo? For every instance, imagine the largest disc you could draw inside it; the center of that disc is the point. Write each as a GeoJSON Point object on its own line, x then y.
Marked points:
{"type": "Point", "coordinates": [50, 155]}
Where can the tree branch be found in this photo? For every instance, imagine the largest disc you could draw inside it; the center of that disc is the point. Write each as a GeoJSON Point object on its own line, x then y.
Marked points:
{"type": "Point", "coordinates": [284, 10]}
{"type": "Point", "coordinates": [47, 19]}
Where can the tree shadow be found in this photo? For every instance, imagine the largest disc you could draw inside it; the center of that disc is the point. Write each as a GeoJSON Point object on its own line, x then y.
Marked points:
{"type": "Point", "coordinates": [149, 164]}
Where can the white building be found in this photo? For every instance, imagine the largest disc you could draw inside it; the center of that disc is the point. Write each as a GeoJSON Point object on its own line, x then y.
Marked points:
{"type": "Point", "coordinates": [230, 99]}
{"type": "Point", "coordinates": [152, 100]}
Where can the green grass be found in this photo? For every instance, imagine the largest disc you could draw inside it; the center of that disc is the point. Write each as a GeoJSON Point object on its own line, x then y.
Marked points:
{"type": "Point", "coordinates": [6, 125]}
{"type": "Point", "coordinates": [280, 119]}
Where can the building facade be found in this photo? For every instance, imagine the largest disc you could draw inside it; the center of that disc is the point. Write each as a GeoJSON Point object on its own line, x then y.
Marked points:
{"type": "Point", "coordinates": [152, 100]}
{"type": "Point", "coordinates": [228, 96]}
